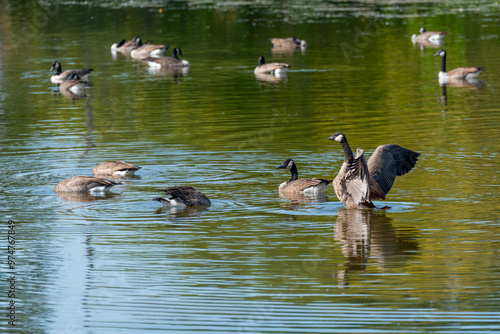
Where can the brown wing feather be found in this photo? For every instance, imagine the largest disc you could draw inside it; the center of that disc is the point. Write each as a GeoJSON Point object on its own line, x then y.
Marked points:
{"type": "Point", "coordinates": [188, 195]}
{"type": "Point", "coordinates": [352, 184]}
{"type": "Point", "coordinates": [268, 68]}
{"type": "Point", "coordinates": [389, 161]}
{"type": "Point", "coordinates": [461, 72]}
{"type": "Point", "coordinates": [109, 167]}
{"type": "Point", "coordinates": [83, 183]}
{"type": "Point", "coordinates": [299, 185]}
{"type": "Point", "coordinates": [428, 34]}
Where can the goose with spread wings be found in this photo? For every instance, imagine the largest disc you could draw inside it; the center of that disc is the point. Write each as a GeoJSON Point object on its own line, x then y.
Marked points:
{"type": "Point", "coordinates": [360, 181]}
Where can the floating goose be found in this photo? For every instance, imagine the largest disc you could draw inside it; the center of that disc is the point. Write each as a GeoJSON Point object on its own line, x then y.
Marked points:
{"type": "Point", "coordinates": [183, 196]}
{"type": "Point", "coordinates": [460, 73]}
{"type": "Point", "coordinates": [304, 186]}
{"type": "Point", "coordinates": [173, 61]}
{"type": "Point", "coordinates": [115, 168]}
{"type": "Point", "coordinates": [288, 43]}
{"type": "Point", "coordinates": [148, 50]}
{"type": "Point", "coordinates": [85, 184]}
{"type": "Point", "coordinates": [74, 85]}
{"type": "Point", "coordinates": [278, 69]}
{"type": "Point", "coordinates": [126, 47]}
{"type": "Point", "coordinates": [433, 37]}
{"type": "Point", "coordinates": [359, 182]}
{"type": "Point", "coordinates": [60, 76]}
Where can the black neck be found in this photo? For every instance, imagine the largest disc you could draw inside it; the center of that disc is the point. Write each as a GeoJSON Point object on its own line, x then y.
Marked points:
{"type": "Point", "coordinates": [443, 63]}
{"type": "Point", "coordinates": [347, 150]}
{"type": "Point", "coordinates": [295, 173]}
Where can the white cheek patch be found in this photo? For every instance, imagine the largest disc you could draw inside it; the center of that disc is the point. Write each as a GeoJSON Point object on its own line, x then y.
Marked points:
{"type": "Point", "coordinates": [289, 166]}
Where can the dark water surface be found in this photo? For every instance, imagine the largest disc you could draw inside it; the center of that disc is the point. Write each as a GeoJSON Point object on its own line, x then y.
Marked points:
{"type": "Point", "coordinates": [253, 261]}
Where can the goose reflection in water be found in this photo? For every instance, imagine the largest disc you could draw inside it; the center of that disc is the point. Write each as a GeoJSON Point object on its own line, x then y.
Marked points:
{"type": "Point", "coordinates": [297, 201]}
{"type": "Point", "coordinates": [470, 84]}
{"type": "Point", "coordinates": [85, 196]}
{"type": "Point", "coordinates": [174, 72]}
{"type": "Point", "coordinates": [365, 234]}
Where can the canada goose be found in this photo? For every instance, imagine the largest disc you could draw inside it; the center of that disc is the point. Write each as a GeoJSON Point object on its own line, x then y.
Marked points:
{"type": "Point", "coordinates": [291, 42]}
{"type": "Point", "coordinates": [85, 184]}
{"type": "Point", "coordinates": [296, 185]}
{"type": "Point", "coordinates": [74, 85]}
{"type": "Point", "coordinates": [60, 76]}
{"type": "Point", "coordinates": [183, 196]}
{"type": "Point", "coordinates": [148, 50]}
{"type": "Point", "coordinates": [460, 73]}
{"type": "Point", "coordinates": [173, 61]}
{"type": "Point", "coordinates": [115, 168]}
{"type": "Point", "coordinates": [125, 46]}
{"type": "Point", "coordinates": [359, 182]}
{"type": "Point", "coordinates": [433, 37]}
{"type": "Point", "coordinates": [278, 69]}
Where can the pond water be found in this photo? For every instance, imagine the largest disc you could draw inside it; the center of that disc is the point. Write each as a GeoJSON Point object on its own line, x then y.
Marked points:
{"type": "Point", "coordinates": [254, 261]}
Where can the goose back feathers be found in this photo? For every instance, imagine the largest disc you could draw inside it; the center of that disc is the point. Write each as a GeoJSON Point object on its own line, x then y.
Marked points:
{"type": "Point", "coordinates": [183, 196]}
{"type": "Point", "coordinates": [162, 62]}
{"type": "Point", "coordinates": [74, 85]}
{"type": "Point", "coordinates": [296, 185]}
{"type": "Point", "coordinates": [115, 168]}
{"type": "Point", "coordinates": [85, 184]}
{"type": "Point", "coordinates": [360, 181]}
{"type": "Point", "coordinates": [127, 46]}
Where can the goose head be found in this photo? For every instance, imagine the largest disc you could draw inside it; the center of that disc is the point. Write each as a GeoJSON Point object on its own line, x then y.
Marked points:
{"type": "Point", "coordinates": [262, 60]}
{"type": "Point", "coordinates": [55, 65]}
{"type": "Point", "coordinates": [176, 52]}
{"type": "Point", "coordinates": [338, 137]}
{"type": "Point", "coordinates": [287, 164]}
{"type": "Point", "coordinates": [441, 53]}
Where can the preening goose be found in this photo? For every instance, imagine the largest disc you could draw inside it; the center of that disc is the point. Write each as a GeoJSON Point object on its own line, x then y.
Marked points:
{"type": "Point", "coordinates": [60, 76]}
{"type": "Point", "coordinates": [359, 181]}
{"type": "Point", "coordinates": [304, 186]}
{"type": "Point", "coordinates": [433, 37]}
{"type": "Point", "coordinates": [278, 69]}
{"type": "Point", "coordinates": [289, 43]}
{"type": "Point", "coordinates": [183, 196]}
{"type": "Point", "coordinates": [74, 85]}
{"type": "Point", "coordinates": [460, 73]}
{"type": "Point", "coordinates": [115, 168]}
{"type": "Point", "coordinates": [148, 50]}
{"type": "Point", "coordinates": [85, 184]}
{"type": "Point", "coordinates": [127, 46]}
{"type": "Point", "coordinates": [173, 61]}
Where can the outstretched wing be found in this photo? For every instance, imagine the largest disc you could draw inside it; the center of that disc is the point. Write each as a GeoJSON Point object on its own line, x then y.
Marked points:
{"type": "Point", "coordinates": [389, 161]}
{"type": "Point", "coordinates": [357, 179]}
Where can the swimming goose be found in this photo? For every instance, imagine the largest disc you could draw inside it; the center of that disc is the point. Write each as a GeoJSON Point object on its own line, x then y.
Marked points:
{"type": "Point", "coordinates": [460, 73]}
{"type": "Point", "coordinates": [85, 184]}
{"type": "Point", "coordinates": [74, 85]}
{"type": "Point", "coordinates": [291, 42]}
{"type": "Point", "coordinates": [433, 37]}
{"type": "Point", "coordinates": [173, 61]}
{"type": "Point", "coordinates": [183, 196]}
{"type": "Point", "coordinates": [148, 50]}
{"type": "Point", "coordinates": [115, 168]}
{"type": "Point", "coordinates": [304, 186]}
{"type": "Point", "coordinates": [359, 182]}
{"type": "Point", "coordinates": [125, 46]}
{"type": "Point", "coordinates": [278, 69]}
{"type": "Point", "coordinates": [60, 76]}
